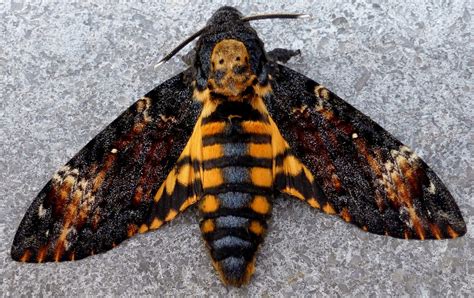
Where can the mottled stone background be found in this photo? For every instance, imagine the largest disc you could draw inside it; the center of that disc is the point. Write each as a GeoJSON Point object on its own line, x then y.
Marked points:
{"type": "Point", "coordinates": [67, 70]}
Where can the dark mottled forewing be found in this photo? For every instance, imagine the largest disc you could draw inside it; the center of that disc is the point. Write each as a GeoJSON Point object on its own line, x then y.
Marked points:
{"type": "Point", "coordinates": [105, 193]}
{"type": "Point", "coordinates": [360, 171]}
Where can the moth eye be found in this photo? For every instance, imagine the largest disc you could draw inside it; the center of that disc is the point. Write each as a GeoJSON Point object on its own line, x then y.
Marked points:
{"type": "Point", "coordinates": [237, 59]}
{"type": "Point", "coordinates": [221, 61]}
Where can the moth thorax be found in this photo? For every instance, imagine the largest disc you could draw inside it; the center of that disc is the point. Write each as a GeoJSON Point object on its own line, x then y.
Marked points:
{"type": "Point", "coordinates": [230, 74]}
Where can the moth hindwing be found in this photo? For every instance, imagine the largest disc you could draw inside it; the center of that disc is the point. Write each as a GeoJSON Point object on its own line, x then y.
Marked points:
{"type": "Point", "coordinates": [234, 132]}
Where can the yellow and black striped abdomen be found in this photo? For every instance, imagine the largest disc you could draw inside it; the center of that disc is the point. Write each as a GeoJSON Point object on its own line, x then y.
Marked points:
{"type": "Point", "coordinates": [237, 187]}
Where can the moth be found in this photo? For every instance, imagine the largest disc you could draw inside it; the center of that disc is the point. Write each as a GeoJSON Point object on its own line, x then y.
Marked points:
{"type": "Point", "coordinates": [234, 132]}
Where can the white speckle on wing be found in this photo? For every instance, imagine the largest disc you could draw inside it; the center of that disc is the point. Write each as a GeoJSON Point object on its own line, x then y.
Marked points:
{"type": "Point", "coordinates": [41, 211]}
{"type": "Point", "coordinates": [432, 188]}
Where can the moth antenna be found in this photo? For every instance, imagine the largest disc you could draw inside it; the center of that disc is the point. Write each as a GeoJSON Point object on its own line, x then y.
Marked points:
{"type": "Point", "coordinates": [276, 16]}
{"type": "Point", "coordinates": [179, 47]}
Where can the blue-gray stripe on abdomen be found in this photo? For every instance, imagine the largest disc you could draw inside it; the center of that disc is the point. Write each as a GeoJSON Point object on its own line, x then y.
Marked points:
{"type": "Point", "coordinates": [235, 149]}
{"type": "Point", "coordinates": [234, 200]}
{"type": "Point", "coordinates": [231, 221]}
{"type": "Point", "coordinates": [234, 175]}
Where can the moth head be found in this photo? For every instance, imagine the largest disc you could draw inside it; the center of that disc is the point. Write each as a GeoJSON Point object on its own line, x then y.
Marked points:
{"type": "Point", "coordinates": [228, 51]}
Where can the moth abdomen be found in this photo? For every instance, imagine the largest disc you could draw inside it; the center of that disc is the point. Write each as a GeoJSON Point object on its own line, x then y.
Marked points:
{"type": "Point", "coordinates": [237, 187]}
{"type": "Point", "coordinates": [233, 231]}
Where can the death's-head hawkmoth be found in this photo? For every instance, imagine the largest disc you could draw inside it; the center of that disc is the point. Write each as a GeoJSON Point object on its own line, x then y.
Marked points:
{"type": "Point", "coordinates": [233, 133]}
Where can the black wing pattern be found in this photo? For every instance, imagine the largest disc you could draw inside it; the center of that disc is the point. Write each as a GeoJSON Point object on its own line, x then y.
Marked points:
{"type": "Point", "coordinates": [356, 169]}
{"type": "Point", "coordinates": [114, 187]}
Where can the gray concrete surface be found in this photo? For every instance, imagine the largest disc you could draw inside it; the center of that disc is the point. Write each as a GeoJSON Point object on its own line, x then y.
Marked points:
{"type": "Point", "coordinates": [67, 70]}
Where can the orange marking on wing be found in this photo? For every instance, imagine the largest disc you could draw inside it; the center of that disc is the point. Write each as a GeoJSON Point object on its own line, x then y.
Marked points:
{"type": "Point", "coordinates": [405, 166]}
{"type": "Point", "coordinates": [419, 231]}
{"type": "Point", "coordinates": [96, 219]}
{"type": "Point", "coordinates": [362, 148]}
{"type": "Point", "coordinates": [42, 253]}
{"type": "Point", "coordinates": [131, 230]}
{"type": "Point", "coordinates": [188, 202]}
{"type": "Point", "coordinates": [279, 144]}
{"type": "Point", "coordinates": [435, 230]}
{"type": "Point", "coordinates": [138, 195]}
{"type": "Point", "coordinates": [138, 127]}
{"type": "Point", "coordinates": [156, 223]}
{"type": "Point", "coordinates": [99, 179]}
{"type": "Point", "coordinates": [260, 205]}
{"type": "Point", "coordinates": [452, 233]}
{"type": "Point", "coordinates": [26, 256]}
{"type": "Point", "coordinates": [345, 214]}
{"type": "Point", "coordinates": [66, 188]}
{"type": "Point", "coordinates": [406, 234]}
{"type": "Point", "coordinates": [72, 208]}
{"type": "Point", "coordinates": [314, 203]}
{"type": "Point", "coordinates": [292, 165]}
{"type": "Point", "coordinates": [159, 193]}
{"type": "Point", "coordinates": [186, 174]}
{"type": "Point", "coordinates": [294, 192]}
{"type": "Point", "coordinates": [403, 194]}
{"type": "Point", "coordinates": [409, 172]}
{"type": "Point", "coordinates": [379, 201]}
{"type": "Point", "coordinates": [329, 209]}
{"type": "Point", "coordinates": [336, 182]}
{"type": "Point", "coordinates": [329, 115]}
{"type": "Point", "coordinates": [171, 215]}
{"type": "Point", "coordinates": [171, 182]}
{"type": "Point", "coordinates": [308, 175]}
{"type": "Point", "coordinates": [59, 250]}
{"type": "Point", "coordinates": [143, 229]}
{"type": "Point", "coordinates": [416, 223]}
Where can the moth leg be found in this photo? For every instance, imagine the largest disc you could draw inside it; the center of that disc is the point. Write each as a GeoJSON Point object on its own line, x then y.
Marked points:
{"type": "Point", "coordinates": [282, 55]}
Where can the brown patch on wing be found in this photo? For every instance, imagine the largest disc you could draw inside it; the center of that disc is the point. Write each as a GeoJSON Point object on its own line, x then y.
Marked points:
{"type": "Point", "coordinates": [132, 230]}
{"type": "Point", "coordinates": [345, 214]}
{"type": "Point", "coordinates": [371, 160]}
